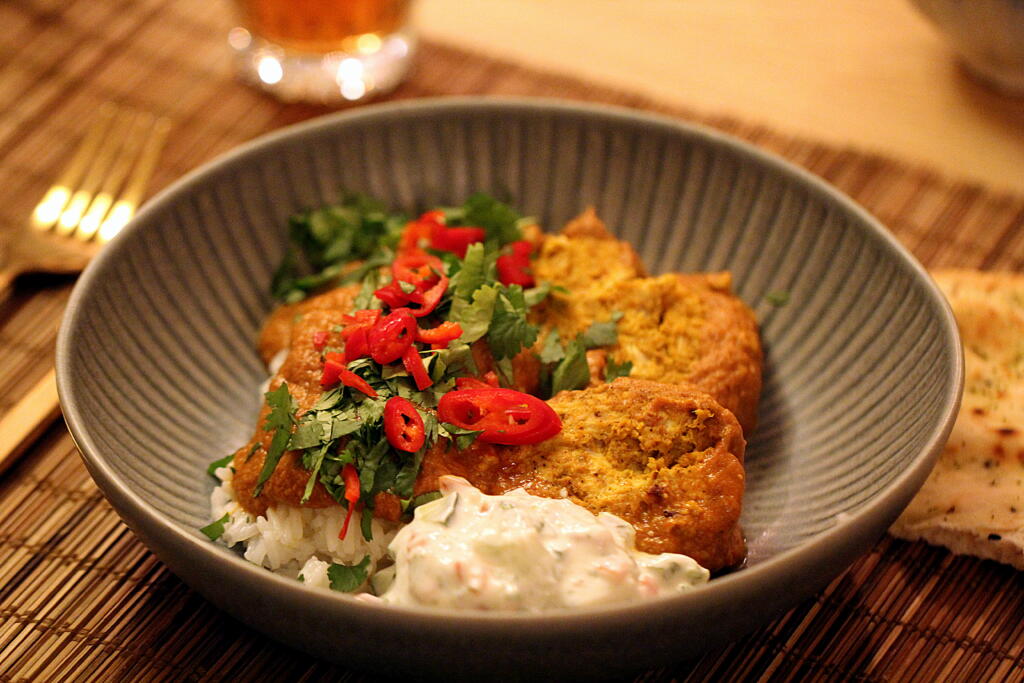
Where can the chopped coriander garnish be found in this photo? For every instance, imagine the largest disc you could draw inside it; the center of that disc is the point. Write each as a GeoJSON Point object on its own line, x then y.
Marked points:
{"type": "Point", "coordinates": [572, 372]}
{"type": "Point", "coordinates": [474, 316]}
{"type": "Point", "coordinates": [217, 464]}
{"type": "Point", "coordinates": [500, 220]}
{"type": "Point", "coordinates": [347, 578]}
{"type": "Point", "coordinates": [602, 334]}
{"type": "Point", "coordinates": [778, 298]}
{"type": "Point", "coordinates": [463, 438]}
{"type": "Point", "coordinates": [353, 242]}
{"type": "Point", "coordinates": [510, 332]}
{"type": "Point", "coordinates": [215, 530]}
{"type": "Point", "coordinates": [613, 370]}
{"type": "Point", "coordinates": [280, 420]}
{"type": "Point", "coordinates": [324, 240]}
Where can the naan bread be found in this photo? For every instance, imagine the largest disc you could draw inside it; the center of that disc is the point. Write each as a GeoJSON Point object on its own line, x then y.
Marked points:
{"type": "Point", "coordinates": [973, 502]}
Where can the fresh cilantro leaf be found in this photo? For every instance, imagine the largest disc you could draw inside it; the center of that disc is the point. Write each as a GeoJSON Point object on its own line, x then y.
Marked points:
{"type": "Point", "coordinates": [370, 410]}
{"type": "Point", "coordinates": [383, 257]}
{"type": "Point", "coordinates": [572, 371]}
{"type": "Point", "coordinates": [252, 451]}
{"type": "Point", "coordinates": [329, 399]}
{"type": "Point", "coordinates": [343, 426]}
{"type": "Point", "coordinates": [473, 273]}
{"type": "Point", "coordinates": [613, 370]}
{"type": "Point", "coordinates": [280, 420]}
{"type": "Point", "coordinates": [215, 530]}
{"type": "Point", "coordinates": [499, 220]}
{"type": "Point", "coordinates": [330, 237]}
{"type": "Point", "coordinates": [392, 371]}
{"type": "Point", "coordinates": [506, 373]}
{"type": "Point", "coordinates": [455, 361]}
{"type": "Point", "coordinates": [217, 464]}
{"type": "Point", "coordinates": [777, 298]}
{"type": "Point", "coordinates": [463, 438]}
{"type": "Point", "coordinates": [365, 299]}
{"type": "Point", "coordinates": [535, 295]}
{"type": "Point", "coordinates": [347, 578]}
{"type": "Point", "coordinates": [369, 464]}
{"type": "Point", "coordinates": [366, 523]}
{"type": "Point", "coordinates": [308, 434]}
{"type": "Point", "coordinates": [474, 317]}
{"type": "Point", "coordinates": [406, 476]}
{"type": "Point", "coordinates": [318, 461]}
{"type": "Point", "coordinates": [552, 351]}
{"type": "Point", "coordinates": [602, 334]}
{"type": "Point", "coordinates": [510, 332]}
{"type": "Point", "coordinates": [422, 499]}
{"type": "Point", "coordinates": [386, 473]}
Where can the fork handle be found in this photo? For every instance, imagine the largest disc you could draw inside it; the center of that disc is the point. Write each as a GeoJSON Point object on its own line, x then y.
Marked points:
{"type": "Point", "coordinates": [26, 421]}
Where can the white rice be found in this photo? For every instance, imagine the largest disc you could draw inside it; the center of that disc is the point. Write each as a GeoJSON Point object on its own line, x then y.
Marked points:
{"type": "Point", "coordinates": [297, 541]}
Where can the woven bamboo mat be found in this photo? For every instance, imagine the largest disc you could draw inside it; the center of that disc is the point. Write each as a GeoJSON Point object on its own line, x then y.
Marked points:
{"type": "Point", "coordinates": [82, 598]}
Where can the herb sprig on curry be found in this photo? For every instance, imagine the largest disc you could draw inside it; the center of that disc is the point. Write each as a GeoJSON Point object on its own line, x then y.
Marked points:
{"type": "Point", "coordinates": [427, 289]}
{"type": "Point", "coordinates": [463, 341]}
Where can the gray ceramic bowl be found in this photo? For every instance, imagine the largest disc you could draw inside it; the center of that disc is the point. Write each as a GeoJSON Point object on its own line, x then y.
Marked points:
{"type": "Point", "coordinates": [158, 374]}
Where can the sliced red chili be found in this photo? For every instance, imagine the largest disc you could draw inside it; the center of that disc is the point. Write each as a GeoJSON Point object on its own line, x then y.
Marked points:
{"type": "Point", "coordinates": [505, 416]}
{"type": "Point", "coordinates": [488, 381]}
{"type": "Point", "coordinates": [514, 268]}
{"type": "Point", "coordinates": [471, 383]}
{"type": "Point", "coordinates": [435, 216]}
{"type": "Point", "coordinates": [357, 346]}
{"type": "Point", "coordinates": [444, 333]}
{"type": "Point", "coordinates": [320, 339]}
{"type": "Point", "coordinates": [521, 249]}
{"type": "Point", "coordinates": [418, 268]}
{"type": "Point", "coordinates": [350, 476]}
{"type": "Point", "coordinates": [429, 299]}
{"type": "Point", "coordinates": [392, 295]}
{"type": "Point", "coordinates": [403, 425]}
{"type": "Point", "coordinates": [391, 336]}
{"type": "Point", "coordinates": [415, 233]}
{"type": "Point", "coordinates": [414, 366]}
{"type": "Point", "coordinates": [513, 272]}
{"type": "Point", "coordinates": [335, 371]}
{"type": "Point", "coordinates": [455, 240]}
{"type": "Point", "coordinates": [331, 374]}
{"type": "Point", "coordinates": [360, 320]}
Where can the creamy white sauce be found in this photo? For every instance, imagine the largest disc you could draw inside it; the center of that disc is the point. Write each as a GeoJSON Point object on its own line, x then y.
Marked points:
{"type": "Point", "coordinates": [520, 552]}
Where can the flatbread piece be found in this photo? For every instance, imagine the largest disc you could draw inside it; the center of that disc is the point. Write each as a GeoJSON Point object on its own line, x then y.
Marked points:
{"type": "Point", "coordinates": [973, 502]}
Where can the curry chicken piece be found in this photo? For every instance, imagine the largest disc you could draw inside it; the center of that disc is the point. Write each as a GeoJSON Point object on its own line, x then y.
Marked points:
{"type": "Point", "coordinates": [667, 459]}
{"type": "Point", "coordinates": [584, 255]}
{"type": "Point", "coordinates": [277, 329]}
{"type": "Point", "coordinates": [665, 456]}
{"type": "Point", "coordinates": [301, 370]}
{"type": "Point", "coordinates": [678, 329]}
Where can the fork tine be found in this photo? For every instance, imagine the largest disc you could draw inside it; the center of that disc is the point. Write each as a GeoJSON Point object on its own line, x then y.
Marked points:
{"type": "Point", "coordinates": [128, 151]}
{"type": "Point", "coordinates": [124, 208]}
{"type": "Point", "coordinates": [97, 171]}
{"type": "Point", "coordinates": [53, 203]}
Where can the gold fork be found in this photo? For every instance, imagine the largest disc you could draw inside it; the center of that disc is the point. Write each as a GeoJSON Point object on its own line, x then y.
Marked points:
{"type": "Point", "coordinates": [94, 196]}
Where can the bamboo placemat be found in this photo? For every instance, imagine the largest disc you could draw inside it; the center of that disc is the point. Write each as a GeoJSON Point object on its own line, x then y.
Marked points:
{"type": "Point", "coordinates": [82, 598]}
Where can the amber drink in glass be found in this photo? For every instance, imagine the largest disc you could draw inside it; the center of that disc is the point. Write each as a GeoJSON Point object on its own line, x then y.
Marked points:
{"type": "Point", "coordinates": [324, 51]}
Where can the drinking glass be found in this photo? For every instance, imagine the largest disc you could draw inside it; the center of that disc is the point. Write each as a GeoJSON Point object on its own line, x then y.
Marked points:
{"type": "Point", "coordinates": [324, 51]}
